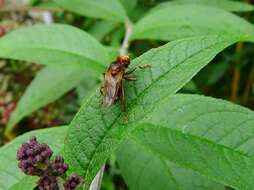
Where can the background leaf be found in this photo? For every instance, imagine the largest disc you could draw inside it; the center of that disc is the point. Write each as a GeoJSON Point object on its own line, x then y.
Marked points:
{"type": "Point", "coordinates": [11, 176]}
{"type": "Point", "coordinates": [27, 183]}
{"type": "Point", "coordinates": [43, 44]}
{"type": "Point", "coordinates": [96, 131]}
{"type": "Point", "coordinates": [228, 5]}
{"type": "Point", "coordinates": [101, 28]}
{"type": "Point", "coordinates": [180, 21]}
{"type": "Point", "coordinates": [144, 169]}
{"type": "Point", "coordinates": [105, 9]}
{"type": "Point", "coordinates": [129, 5]}
{"type": "Point", "coordinates": [49, 84]}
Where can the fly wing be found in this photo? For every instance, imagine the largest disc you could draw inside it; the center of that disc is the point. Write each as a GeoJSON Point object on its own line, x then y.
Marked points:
{"type": "Point", "coordinates": [111, 87]}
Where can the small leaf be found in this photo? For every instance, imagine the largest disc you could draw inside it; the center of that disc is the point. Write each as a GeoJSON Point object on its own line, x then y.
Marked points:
{"type": "Point", "coordinates": [105, 9]}
{"type": "Point", "coordinates": [96, 131]}
{"type": "Point", "coordinates": [49, 84]}
{"type": "Point", "coordinates": [54, 44]}
{"type": "Point", "coordinates": [180, 21]}
{"type": "Point", "coordinates": [144, 169]}
{"type": "Point", "coordinates": [10, 175]}
{"type": "Point", "coordinates": [228, 5]}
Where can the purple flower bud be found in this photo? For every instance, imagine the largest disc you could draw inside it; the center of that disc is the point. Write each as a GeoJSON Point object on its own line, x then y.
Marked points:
{"type": "Point", "coordinates": [72, 182]}
{"type": "Point", "coordinates": [33, 156]}
{"type": "Point", "coordinates": [57, 167]}
{"type": "Point", "coordinates": [48, 183]}
{"type": "Point", "coordinates": [34, 159]}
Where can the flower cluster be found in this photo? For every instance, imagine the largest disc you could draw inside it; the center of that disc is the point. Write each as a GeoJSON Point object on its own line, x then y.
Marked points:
{"type": "Point", "coordinates": [35, 159]}
{"type": "Point", "coordinates": [72, 182]}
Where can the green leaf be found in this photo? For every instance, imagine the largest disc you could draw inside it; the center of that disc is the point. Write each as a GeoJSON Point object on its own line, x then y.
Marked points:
{"type": "Point", "coordinates": [49, 84]}
{"type": "Point", "coordinates": [49, 5]}
{"type": "Point", "coordinates": [180, 21]}
{"type": "Point", "coordinates": [212, 137]}
{"type": "Point", "coordinates": [105, 9]}
{"type": "Point", "coordinates": [228, 5]}
{"type": "Point", "coordinates": [129, 5]}
{"type": "Point", "coordinates": [26, 183]}
{"type": "Point", "coordinates": [96, 131]}
{"type": "Point", "coordinates": [86, 87]}
{"type": "Point", "coordinates": [101, 28]}
{"type": "Point", "coordinates": [144, 169]}
{"type": "Point", "coordinates": [10, 175]}
{"type": "Point", "coordinates": [215, 120]}
{"type": "Point", "coordinates": [54, 44]}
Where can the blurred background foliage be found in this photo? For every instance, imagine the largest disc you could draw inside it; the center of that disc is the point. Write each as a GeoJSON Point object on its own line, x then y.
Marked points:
{"type": "Point", "coordinates": [229, 76]}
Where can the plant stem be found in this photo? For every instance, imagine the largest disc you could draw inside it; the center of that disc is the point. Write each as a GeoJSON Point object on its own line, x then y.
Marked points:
{"type": "Point", "coordinates": [247, 90]}
{"type": "Point", "coordinates": [236, 75]}
{"type": "Point", "coordinates": [96, 183]}
{"type": "Point", "coordinates": [125, 45]}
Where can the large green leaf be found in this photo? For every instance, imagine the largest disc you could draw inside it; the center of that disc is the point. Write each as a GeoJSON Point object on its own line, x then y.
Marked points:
{"type": "Point", "coordinates": [49, 84]}
{"type": "Point", "coordinates": [214, 120]}
{"type": "Point", "coordinates": [179, 21]}
{"type": "Point", "coordinates": [228, 5]}
{"type": "Point", "coordinates": [54, 44]}
{"type": "Point", "coordinates": [105, 9]}
{"type": "Point", "coordinates": [213, 137]}
{"type": "Point", "coordinates": [11, 176]}
{"type": "Point", "coordinates": [96, 131]}
{"type": "Point", "coordinates": [144, 169]}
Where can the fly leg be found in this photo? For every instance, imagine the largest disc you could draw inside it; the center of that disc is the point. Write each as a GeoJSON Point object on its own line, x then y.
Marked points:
{"type": "Point", "coordinates": [101, 90]}
{"type": "Point", "coordinates": [130, 78]}
{"type": "Point", "coordinates": [138, 67]}
{"type": "Point", "coordinates": [123, 99]}
{"type": "Point", "coordinates": [102, 87]}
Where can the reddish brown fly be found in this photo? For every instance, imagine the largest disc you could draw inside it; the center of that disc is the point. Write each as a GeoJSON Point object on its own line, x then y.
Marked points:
{"type": "Point", "coordinates": [112, 88]}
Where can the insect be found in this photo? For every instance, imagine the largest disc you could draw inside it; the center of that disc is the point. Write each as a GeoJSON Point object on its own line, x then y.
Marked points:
{"type": "Point", "coordinates": [112, 88]}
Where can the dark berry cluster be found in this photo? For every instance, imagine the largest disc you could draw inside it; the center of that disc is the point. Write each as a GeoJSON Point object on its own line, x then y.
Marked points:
{"type": "Point", "coordinates": [48, 183]}
{"type": "Point", "coordinates": [57, 167]}
{"type": "Point", "coordinates": [72, 182]}
{"type": "Point", "coordinates": [35, 159]}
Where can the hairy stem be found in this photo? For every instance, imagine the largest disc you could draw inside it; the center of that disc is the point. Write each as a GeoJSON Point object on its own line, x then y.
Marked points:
{"type": "Point", "coordinates": [96, 183]}
{"type": "Point", "coordinates": [125, 45]}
